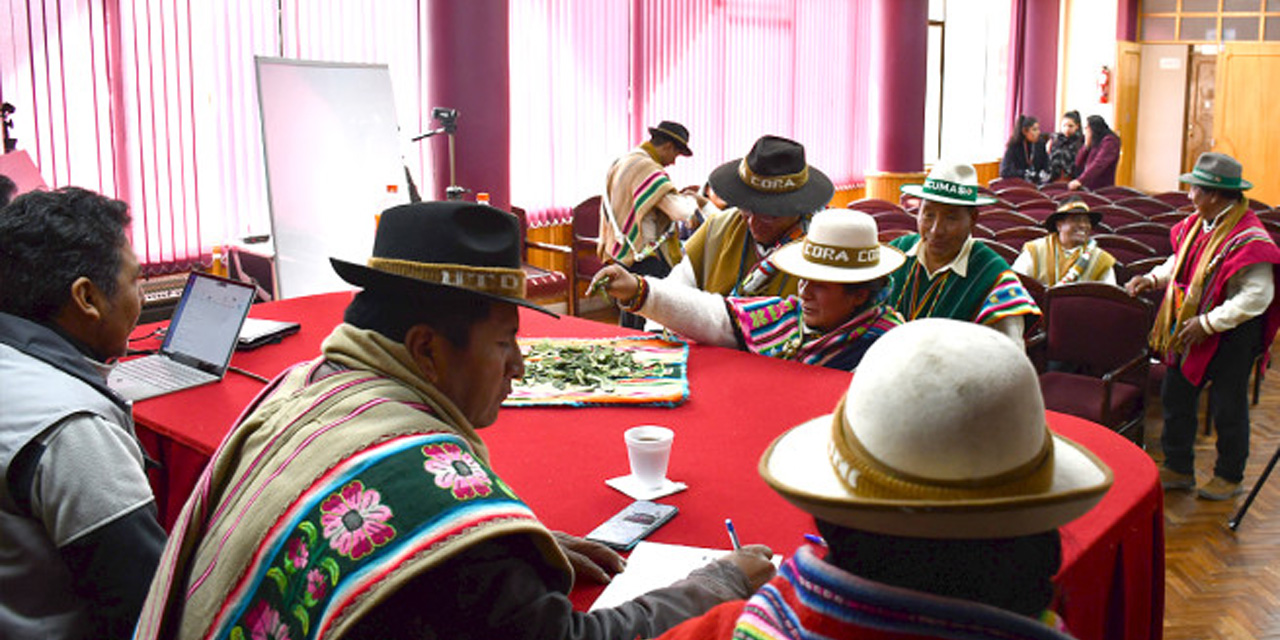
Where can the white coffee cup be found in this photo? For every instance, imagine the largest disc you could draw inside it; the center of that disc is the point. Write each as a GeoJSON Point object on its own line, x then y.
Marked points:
{"type": "Point", "coordinates": [649, 451]}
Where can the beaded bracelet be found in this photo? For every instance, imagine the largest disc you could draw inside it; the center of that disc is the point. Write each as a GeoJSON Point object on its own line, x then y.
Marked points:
{"type": "Point", "coordinates": [642, 294]}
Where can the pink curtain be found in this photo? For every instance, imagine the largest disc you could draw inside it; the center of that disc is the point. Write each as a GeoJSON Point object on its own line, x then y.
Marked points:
{"type": "Point", "coordinates": [129, 97]}
{"type": "Point", "coordinates": [730, 70]}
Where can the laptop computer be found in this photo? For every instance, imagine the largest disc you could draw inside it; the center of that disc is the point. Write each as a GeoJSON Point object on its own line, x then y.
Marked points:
{"type": "Point", "coordinates": [198, 344]}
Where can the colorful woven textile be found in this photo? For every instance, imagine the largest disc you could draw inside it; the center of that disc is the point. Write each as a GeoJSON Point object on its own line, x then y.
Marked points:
{"type": "Point", "coordinates": [773, 327]}
{"type": "Point", "coordinates": [810, 599]}
{"type": "Point", "coordinates": [668, 385]}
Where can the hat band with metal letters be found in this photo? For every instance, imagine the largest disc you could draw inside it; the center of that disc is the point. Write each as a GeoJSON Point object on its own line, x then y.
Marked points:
{"type": "Point", "coordinates": [851, 461]}
{"type": "Point", "coordinates": [846, 257]}
{"type": "Point", "coordinates": [785, 183]}
{"type": "Point", "coordinates": [948, 189]}
{"type": "Point", "coordinates": [492, 280]}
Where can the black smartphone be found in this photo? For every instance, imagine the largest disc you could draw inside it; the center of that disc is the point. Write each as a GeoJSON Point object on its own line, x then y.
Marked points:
{"type": "Point", "coordinates": [632, 524]}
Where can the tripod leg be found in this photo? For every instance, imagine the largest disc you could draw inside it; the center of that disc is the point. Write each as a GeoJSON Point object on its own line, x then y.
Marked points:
{"type": "Point", "coordinates": [1253, 493]}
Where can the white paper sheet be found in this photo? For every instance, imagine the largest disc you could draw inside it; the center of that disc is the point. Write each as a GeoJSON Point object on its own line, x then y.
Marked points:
{"type": "Point", "coordinates": [653, 565]}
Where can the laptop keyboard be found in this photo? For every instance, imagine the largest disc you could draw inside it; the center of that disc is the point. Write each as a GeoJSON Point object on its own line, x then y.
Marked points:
{"type": "Point", "coordinates": [164, 373]}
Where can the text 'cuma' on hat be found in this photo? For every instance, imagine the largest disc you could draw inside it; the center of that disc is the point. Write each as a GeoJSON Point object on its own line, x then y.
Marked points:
{"type": "Point", "coordinates": [942, 434]}
{"type": "Point", "coordinates": [675, 132]}
{"type": "Point", "coordinates": [444, 245]}
{"type": "Point", "coordinates": [950, 183]}
{"type": "Point", "coordinates": [773, 180]}
{"type": "Point", "coordinates": [841, 246]}
{"type": "Point", "coordinates": [1217, 170]}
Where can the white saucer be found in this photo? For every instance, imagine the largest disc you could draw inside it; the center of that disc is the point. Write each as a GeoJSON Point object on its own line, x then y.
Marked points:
{"type": "Point", "coordinates": [630, 486]}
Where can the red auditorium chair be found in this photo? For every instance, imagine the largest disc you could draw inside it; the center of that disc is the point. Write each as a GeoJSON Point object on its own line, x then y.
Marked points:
{"type": "Point", "coordinates": [1118, 216]}
{"type": "Point", "coordinates": [1151, 234]}
{"type": "Point", "coordinates": [1118, 192]}
{"type": "Point", "coordinates": [998, 219]}
{"type": "Point", "coordinates": [1175, 198]}
{"type": "Point", "coordinates": [1146, 206]}
{"type": "Point", "coordinates": [1095, 338]}
{"type": "Point", "coordinates": [1124, 249]}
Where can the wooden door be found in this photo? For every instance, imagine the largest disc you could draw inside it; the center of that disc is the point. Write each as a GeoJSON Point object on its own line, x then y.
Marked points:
{"type": "Point", "coordinates": [1244, 123]}
{"type": "Point", "coordinates": [1125, 92]}
{"type": "Point", "coordinates": [1200, 86]}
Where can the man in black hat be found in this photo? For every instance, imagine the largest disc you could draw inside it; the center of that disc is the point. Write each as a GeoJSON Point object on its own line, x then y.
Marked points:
{"type": "Point", "coordinates": [774, 192]}
{"type": "Point", "coordinates": [1219, 312]}
{"type": "Point", "coordinates": [357, 499]}
{"type": "Point", "coordinates": [641, 207]}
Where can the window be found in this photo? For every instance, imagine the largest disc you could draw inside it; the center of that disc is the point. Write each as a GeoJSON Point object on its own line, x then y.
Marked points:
{"type": "Point", "coordinates": [589, 78]}
{"type": "Point", "coordinates": [1209, 21]}
{"type": "Point", "coordinates": [967, 84]}
{"type": "Point", "coordinates": [130, 99]}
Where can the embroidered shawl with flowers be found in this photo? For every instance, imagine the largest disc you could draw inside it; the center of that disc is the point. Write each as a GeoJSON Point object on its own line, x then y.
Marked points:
{"type": "Point", "coordinates": [348, 477]}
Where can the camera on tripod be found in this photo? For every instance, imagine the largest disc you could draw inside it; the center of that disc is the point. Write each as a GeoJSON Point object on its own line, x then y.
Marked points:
{"type": "Point", "coordinates": [448, 118]}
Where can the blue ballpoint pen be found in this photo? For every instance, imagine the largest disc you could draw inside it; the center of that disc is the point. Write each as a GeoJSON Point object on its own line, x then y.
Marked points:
{"type": "Point", "coordinates": [733, 535]}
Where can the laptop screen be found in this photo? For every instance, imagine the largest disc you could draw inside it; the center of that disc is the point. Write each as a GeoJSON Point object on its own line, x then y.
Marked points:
{"type": "Point", "coordinates": [207, 322]}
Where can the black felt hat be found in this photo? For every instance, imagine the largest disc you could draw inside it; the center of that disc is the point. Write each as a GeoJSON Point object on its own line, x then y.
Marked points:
{"type": "Point", "coordinates": [773, 180]}
{"type": "Point", "coordinates": [455, 245]}
{"type": "Point", "coordinates": [675, 132]}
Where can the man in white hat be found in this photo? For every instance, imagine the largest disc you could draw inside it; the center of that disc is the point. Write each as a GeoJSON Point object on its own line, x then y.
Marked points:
{"type": "Point", "coordinates": [641, 207]}
{"type": "Point", "coordinates": [1219, 312]}
{"type": "Point", "coordinates": [839, 312]}
{"type": "Point", "coordinates": [773, 192]}
{"type": "Point", "coordinates": [938, 489]}
{"type": "Point", "coordinates": [1067, 254]}
{"type": "Point", "coordinates": [948, 274]}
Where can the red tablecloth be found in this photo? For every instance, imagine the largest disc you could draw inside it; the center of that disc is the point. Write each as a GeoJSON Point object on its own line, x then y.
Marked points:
{"type": "Point", "coordinates": [1111, 584]}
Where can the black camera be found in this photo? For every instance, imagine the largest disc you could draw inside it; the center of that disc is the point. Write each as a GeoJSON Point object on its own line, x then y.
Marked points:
{"type": "Point", "coordinates": [448, 118]}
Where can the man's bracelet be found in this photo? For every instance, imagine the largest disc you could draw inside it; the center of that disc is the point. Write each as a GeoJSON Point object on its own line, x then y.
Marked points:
{"type": "Point", "coordinates": [642, 294]}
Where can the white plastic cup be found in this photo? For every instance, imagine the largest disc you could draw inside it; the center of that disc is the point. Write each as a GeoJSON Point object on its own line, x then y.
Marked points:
{"type": "Point", "coordinates": [649, 451]}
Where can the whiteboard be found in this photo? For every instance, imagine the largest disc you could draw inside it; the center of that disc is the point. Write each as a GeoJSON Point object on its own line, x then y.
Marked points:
{"type": "Point", "coordinates": [331, 142]}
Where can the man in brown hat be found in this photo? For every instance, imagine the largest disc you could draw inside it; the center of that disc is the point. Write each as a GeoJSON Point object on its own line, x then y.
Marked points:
{"type": "Point", "coordinates": [357, 499]}
{"type": "Point", "coordinates": [939, 506]}
{"type": "Point", "coordinates": [839, 313]}
{"type": "Point", "coordinates": [774, 192]}
{"type": "Point", "coordinates": [1219, 312]}
{"type": "Point", "coordinates": [1067, 254]}
{"type": "Point", "coordinates": [641, 207]}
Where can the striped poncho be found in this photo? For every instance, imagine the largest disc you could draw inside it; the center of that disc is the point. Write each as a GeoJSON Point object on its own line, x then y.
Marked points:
{"type": "Point", "coordinates": [988, 291]}
{"type": "Point", "coordinates": [810, 599]}
{"type": "Point", "coordinates": [773, 327]}
{"type": "Point", "coordinates": [635, 185]}
{"type": "Point", "coordinates": [347, 478]}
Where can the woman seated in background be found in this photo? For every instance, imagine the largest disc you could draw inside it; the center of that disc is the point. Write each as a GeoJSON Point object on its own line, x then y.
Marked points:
{"type": "Point", "coordinates": [1063, 147]}
{"type": "Point", "coordinates": [1067, 254]}
{"type": "Point", "coordinates": [1097, 160]}
{"type": "Point", "coordinates": [1024, 154]}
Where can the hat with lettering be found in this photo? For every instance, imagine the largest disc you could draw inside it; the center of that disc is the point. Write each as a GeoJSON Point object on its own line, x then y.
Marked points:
{"type": "Point", "coordinates": [841, 246]}
{"type": "Point", "coordinates": [1217, 170]}
{"type": "Point", "coordinates": [675, 132]}
{"type": "Point", "coordinates": [1072, 206]}
{"type": "Point", "coordinates": [941, 434]}
{"type": "Point", "coordinates": [454, 245]}
{"type": "Point", "coordinates": [773, 180]}
{"type": "Point", "coordinates": [950, 183]}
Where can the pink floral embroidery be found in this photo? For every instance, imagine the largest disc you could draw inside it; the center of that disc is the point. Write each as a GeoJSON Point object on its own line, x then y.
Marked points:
{"type": "Point", "coordinates": [456, 470]}
{"type": "Point", "coordinates": [264, 623]}
{"type": "Point", "coordinates": [297, 553]}
{"type": "Point", "coordinates": [355, 521]}
{"type": "Point", "coordinates": [317, 584]}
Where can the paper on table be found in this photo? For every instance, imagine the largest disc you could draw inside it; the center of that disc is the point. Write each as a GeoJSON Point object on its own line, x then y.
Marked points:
{"type": "Point", "coordinates": [653, 565]}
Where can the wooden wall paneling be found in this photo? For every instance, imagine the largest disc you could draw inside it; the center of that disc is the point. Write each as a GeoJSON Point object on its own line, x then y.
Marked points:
{"type": "Point", "coordinates": [1124, 92]}
{"type": "Point", "coordinates": [1248, 84]}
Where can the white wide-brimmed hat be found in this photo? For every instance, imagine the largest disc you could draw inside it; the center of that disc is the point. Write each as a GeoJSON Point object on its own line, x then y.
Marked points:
{"type": "Point", "coordinates": [842, 245]}
{"type": "Point", "coordinates": [942, 434]}
{"type": "Point", "coordinates": [950, 183]}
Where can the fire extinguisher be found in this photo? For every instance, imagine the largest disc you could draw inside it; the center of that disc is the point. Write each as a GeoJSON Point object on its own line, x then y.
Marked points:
{"type": "Point", "coordinates": [1104, 85]}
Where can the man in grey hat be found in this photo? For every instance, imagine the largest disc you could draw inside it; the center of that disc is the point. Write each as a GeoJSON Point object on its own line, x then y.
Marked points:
{"type": "Point", "coordinates": [641, 207]}
{"type": "Point", "coordinates": [1219, 312]}
{"type": "Point", "coordinates": [356, 497]}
